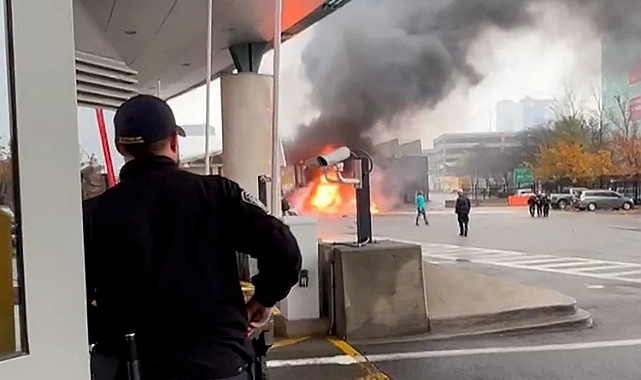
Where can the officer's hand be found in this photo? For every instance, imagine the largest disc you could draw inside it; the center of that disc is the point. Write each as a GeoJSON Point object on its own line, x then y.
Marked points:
{"type": "Point", "coordinates": [257, 315]}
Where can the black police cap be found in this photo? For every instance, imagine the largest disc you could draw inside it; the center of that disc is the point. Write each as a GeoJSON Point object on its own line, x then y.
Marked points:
{"type": "Point", "coordinates": [144, 119]}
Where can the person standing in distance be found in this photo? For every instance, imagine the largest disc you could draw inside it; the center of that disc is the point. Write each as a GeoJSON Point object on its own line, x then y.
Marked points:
{"type": "Point", "coordinates": [420, 208]}
{"type": "Point", "coordinates": [462, 210]}
{"type": "Point", "coordinates": [161, 259]}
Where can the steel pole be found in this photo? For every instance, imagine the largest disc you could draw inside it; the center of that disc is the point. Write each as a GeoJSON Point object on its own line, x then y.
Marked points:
{"type": "Point", "coordinates": [210, 21]}
{"type": "Point", "coordinates": [275, 174]}
{"type": "Point", "coordinates": [158, 89]}
{"type": "Point", "coordinates": [106, 151]}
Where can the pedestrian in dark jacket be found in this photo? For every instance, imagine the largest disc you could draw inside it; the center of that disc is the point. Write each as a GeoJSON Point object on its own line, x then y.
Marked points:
{"type": "Point", "coordinates": [545, 204]}
{"type": "Point", "coordinates": [531, 203]}
{"type": "Point", "coordinates": [462, 210]}
{"type": "Point", "coordinates": [539, 205]}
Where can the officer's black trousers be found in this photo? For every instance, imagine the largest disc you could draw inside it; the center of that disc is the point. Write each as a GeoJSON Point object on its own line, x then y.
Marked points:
{"type": "Point", "coordinates": [463, 222]}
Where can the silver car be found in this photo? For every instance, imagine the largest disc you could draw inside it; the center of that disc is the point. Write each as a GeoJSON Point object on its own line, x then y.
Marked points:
{"type": "Point", "coordinates": [592, 200]}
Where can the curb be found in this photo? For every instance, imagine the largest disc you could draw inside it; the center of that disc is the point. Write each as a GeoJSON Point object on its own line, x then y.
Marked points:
{"type": "Point", "coordinates": [581, 320]}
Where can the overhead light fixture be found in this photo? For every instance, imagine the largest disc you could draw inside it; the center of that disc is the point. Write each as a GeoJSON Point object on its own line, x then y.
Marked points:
{"type": "Point", "coordinates": [186, 64]}
{"type": "Point", "coordinates": [130, 32]}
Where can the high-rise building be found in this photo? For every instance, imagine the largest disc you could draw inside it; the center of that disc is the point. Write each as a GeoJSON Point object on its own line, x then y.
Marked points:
{"type": "Point", "coordinates": [509, 116]}
{"type": "Point", "coordinates": [621, 76]}
{"type": "Point", "coordinates": [528, 113]}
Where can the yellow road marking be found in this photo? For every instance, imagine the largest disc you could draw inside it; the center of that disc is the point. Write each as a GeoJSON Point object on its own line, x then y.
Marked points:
{"type": "Point", "coordinates": [372, 373]}
{"type": "Point", "coordinates": [288, 342]}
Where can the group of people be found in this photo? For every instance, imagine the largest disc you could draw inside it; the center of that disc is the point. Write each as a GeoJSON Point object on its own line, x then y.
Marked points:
{"type": "Point", "coordinates": [539, 205]}
{"type": "Point", "coordinates": [461, 209]}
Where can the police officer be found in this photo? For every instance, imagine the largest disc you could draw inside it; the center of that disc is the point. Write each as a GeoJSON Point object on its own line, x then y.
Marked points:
{"type": "Point", "coordinates": [161, 258]}
{"type": "Point", "coordinates": [531, 202]}
{"type": "Point", "coordinates": [539, 204]}
{"type": "Point", "coordinates": [462, 210]}
{"type": "Point", "coordinates": [545, 204]}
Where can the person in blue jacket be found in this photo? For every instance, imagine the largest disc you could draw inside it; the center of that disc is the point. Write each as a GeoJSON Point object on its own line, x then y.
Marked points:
{"type": "Point", "coordinates": [420, 207]}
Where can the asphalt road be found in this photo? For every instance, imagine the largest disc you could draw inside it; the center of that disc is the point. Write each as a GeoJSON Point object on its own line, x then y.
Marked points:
{"type": "Point", "coordinates": [559, 250]}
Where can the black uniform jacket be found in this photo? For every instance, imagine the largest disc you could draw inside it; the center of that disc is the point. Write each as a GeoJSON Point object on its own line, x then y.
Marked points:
{"type": "Point", "coordinates": [160, 251]}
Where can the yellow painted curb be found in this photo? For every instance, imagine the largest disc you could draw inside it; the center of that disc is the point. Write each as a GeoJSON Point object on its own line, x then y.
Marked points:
{"type": "Point", "coordinates": [372, 373]}
{"type": "Point", "coordinates": [280, 343]}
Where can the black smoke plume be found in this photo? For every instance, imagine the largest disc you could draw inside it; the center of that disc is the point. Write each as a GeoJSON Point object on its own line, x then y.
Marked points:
{"type": "Point", "coordinates": [374, 60]}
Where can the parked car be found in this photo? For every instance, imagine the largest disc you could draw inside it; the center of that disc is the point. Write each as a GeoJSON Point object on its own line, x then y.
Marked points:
{"type": "Point", "coordinates": [563, 200]}
{"type": "Point", "coordinates": [523, 192]}
{"type": "Point", "coordinates": [592, 200]}
{"type": "Point", "coordinates": [630, 192]}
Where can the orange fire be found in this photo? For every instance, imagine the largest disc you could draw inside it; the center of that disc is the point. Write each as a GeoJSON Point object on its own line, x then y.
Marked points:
{"type": "Point", "coordinates": [325, 196]}
{"type": "Point", "coordinates": [332, 198]}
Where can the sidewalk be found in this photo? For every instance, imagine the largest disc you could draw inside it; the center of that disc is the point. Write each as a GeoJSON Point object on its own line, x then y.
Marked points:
{"type": "Point", "coordinates": [475, 211]}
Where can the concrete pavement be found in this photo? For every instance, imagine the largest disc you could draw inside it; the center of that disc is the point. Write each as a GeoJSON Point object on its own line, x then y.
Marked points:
{"type": "Point", "coordinates": [609, 351]}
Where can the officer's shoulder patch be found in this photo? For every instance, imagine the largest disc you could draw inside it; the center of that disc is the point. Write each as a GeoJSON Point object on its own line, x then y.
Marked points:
{"type": "Point", "coordinates": [249, 198]}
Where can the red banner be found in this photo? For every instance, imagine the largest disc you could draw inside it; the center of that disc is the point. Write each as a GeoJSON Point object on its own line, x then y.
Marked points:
{"type": "Point", "coordinates": [635, 108]}
{"type": "Point", "coordinates": [634, 75]}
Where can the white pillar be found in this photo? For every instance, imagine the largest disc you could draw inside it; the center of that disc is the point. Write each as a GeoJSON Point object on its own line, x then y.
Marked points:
{"type": "Point", "coordinates": [246, 101]}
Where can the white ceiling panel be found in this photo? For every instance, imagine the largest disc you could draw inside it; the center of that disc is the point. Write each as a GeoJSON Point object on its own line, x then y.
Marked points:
{"type": "Point", "coordinates": [166, 39]}
{"type": "Point", "coordinates": [147, 21]}
{"type": "Point", "coordinates": [101, 11]}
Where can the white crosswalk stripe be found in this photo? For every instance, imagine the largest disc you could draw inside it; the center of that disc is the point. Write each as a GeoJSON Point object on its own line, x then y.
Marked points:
{"type": "Point", "coordinates": [578, 266]}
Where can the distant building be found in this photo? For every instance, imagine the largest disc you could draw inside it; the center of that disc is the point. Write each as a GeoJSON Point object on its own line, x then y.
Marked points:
{"type": "Point", "coordinates": [405, 169]}
{"type": "Point", "coordinates": [509, 116]}
{"type": "Point", "coordinates": [621, 75]}
{"type": "Point", "coordinates": [450, 150]}
{"type": "Point", "coordinates": [528, 113]}
{"type": "Point", "coordinates": [393, 148]}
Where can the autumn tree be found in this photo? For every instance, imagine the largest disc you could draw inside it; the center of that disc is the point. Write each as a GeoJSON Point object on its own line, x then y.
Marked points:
{"type": "Point", "coordinates": [571, 161]}
{"type": "Point", "coordinates": [570, 149]}
{"type": "Point", "coordinates": [624, 139]}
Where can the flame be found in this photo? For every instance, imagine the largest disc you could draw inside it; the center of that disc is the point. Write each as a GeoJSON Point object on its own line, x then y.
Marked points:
{"type": "Point", "coordinates": [327, 197]}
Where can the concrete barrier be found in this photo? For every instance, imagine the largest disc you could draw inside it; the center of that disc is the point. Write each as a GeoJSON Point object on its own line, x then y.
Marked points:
{"type": "Point", "coordinates": [517, 200]}
{"type": "Point", "coordinates": [378, 292]}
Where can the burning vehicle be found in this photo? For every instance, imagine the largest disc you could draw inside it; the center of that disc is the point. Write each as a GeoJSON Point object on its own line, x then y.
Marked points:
{"type": "Point", "coordinates": [393, 182]}
{"type": "Point", "coordinates": [320, 192]}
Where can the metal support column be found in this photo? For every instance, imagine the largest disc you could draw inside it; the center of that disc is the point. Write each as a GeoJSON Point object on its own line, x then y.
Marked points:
{"type": "Point", "coordinates": [210, 20]}
{"type": "Point", "coordinates": [275, 174]}
{"type": "Point", "coordinates": [364, 165]}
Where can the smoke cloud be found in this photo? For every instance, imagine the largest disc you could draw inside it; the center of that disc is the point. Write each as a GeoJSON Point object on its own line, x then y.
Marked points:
{"type": "Point", "coordinates": [376, 60]}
